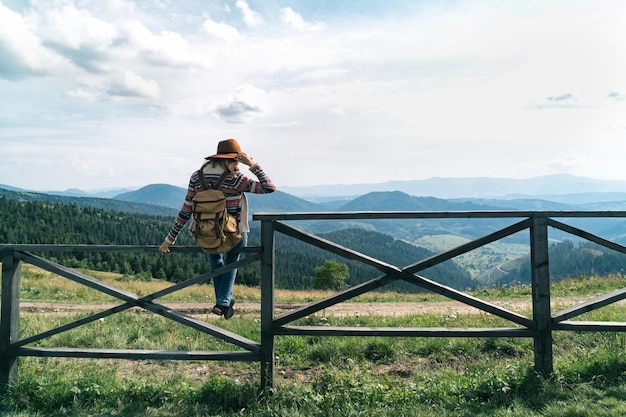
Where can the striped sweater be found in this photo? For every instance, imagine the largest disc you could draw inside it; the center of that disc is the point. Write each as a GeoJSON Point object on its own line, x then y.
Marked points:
{"type": "Point", "coordinates": [233, 188]}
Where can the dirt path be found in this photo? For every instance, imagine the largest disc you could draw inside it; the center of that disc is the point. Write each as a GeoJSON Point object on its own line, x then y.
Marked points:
{"type": "Point", "coordinates": [340, 310]}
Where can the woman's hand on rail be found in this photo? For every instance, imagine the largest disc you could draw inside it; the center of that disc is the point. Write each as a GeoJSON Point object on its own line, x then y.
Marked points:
{"type": "Point", "coordinates": [165, 247]}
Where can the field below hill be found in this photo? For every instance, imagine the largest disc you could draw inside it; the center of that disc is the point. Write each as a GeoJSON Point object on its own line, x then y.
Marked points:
{"type": "Point", "coordinates": [485, 264]}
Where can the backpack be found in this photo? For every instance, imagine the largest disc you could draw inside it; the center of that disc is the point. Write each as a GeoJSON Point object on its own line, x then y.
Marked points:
{"type": "Point", "coordinates": [214, 229]}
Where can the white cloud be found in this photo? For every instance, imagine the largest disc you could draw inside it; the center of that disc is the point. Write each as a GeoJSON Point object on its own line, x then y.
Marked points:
{"type": "Point", "coordinates": [614, 95]}
{"type": "Point", "coordinates": [129, 84]}
{"type": "Point", "coordinates": [244, 104]}
{"type": "Point", "coordinates": [288, 15]}
{"type": "Point", "coordinates": [167, 48]}
{"type": "Point", "coordinates": [173, 49]}
{"type": "Point", "coordinates": [84, 94]}
{"type": "Point", "coordinates": [122, 6]}
{"type": "Point", "coordinates": [568, 163]}
{"type": "Point", "coordinates": [250, 17]}
{"type": "Point", "coordinates": [70, 28]}
{"type": "Point", "coordinates": [21, 51]}
{"type": "Point", "coordinates": [221, 31]}
{"type": "Point", "coordinates": [337, 111]}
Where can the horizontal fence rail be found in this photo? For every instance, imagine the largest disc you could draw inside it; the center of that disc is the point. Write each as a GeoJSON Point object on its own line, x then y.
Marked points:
{"type": "Point", "coordinates": [539, 326]}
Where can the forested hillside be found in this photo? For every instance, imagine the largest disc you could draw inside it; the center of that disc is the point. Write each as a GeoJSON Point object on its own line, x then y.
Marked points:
{"type": "Point", "coordinates": [27, 222]}
{"type": "Point", "coordinates": [61, 223]}
{"type": "Point", "coordinates": [570, 260]}
{"type": "Point", "coordinates": [24, 222]}
{"type": "Point", "coordinates": [101, 203]}
{"type": "Point", "coordinates": [298, 260]}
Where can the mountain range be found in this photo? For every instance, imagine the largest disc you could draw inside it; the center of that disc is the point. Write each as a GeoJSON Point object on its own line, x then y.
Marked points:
{"type": "Point", "coordinates": [561, 188]}
{"type": "Point", "coordinates": [555, 192]}
{"type": "Point", "coordinates": [477, 187]}
{"type": "Point", "coordinates": [605, 197]}
{"type": "Point", "coordinates": [165, 200]}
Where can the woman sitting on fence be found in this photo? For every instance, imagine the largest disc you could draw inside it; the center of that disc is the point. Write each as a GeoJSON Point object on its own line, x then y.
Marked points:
{"type": "Point", "coordinates": [234, 185]}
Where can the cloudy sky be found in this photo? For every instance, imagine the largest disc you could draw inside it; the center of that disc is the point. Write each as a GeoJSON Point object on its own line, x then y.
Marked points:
{"type": "Point", "coordinates": [120, 93]}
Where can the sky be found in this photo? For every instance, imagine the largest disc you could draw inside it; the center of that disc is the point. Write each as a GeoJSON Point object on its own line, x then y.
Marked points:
{"type": "Point", "coordinates": [116, 94]}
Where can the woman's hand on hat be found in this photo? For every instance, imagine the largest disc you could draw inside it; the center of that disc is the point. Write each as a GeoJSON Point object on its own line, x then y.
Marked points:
{"type": "Point", "coordinates": [244, 159]}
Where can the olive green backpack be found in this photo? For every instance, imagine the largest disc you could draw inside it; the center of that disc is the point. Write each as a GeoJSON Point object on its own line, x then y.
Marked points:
{"type": "Point", "coordinates": [215, 230]}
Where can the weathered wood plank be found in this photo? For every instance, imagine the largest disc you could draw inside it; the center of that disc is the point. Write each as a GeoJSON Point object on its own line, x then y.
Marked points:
{"type": "Point", "coordinates": [591, 326]}
{"type": "Point", "coordinates": [540, 280]}
{"type": "Point", "coordinates": [350, 215]}
{"type": "Point", "coordinates": [586, 235]}
{"type": "Point", "coordinates": [403, 332]}
{"type": "Point", "coordinates": [267, 304]}
{"type": "Point", "coordinates": [589, 305]}
{"type": "Point", "coordinates": [134, 354]}
{"type": "Point", "coordinates": [36, 247]}
{"type": "Point", "coordinates": [9, 317]}
{"type": "Point", "coordinates": [80, 278]}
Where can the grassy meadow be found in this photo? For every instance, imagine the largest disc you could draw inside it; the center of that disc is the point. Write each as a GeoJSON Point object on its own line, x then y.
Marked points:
{"type": "Point", "coordinates": [315, 376]}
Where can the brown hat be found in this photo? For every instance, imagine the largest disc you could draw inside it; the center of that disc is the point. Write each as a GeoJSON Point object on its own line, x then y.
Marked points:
{"type": "Point", "coordinates": [226, 149]}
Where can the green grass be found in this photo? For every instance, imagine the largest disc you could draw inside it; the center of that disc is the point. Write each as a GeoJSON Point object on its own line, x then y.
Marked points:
{"type": "Point", "coordinates": [340, 377]}
{"type": "Point", "coordinates": [319, 376]}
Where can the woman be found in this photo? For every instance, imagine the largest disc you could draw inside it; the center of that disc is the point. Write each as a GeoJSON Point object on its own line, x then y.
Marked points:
{"type": "Point", "coordinates": [235, 184]}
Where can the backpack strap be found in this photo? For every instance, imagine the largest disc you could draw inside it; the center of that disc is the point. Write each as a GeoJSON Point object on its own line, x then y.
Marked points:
{"type": "Point", "coordinates": [202, 179]}
{"type": "Point", "coordinates": [205, 185]}
{"type": "Point", "coordinates": [221, 180]}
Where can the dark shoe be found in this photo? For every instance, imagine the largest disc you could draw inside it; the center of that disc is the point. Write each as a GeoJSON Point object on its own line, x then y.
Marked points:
{"type": "Point", "coordinates": [217, 310]}
{"type": "Point", "coordinates": [229, 311]}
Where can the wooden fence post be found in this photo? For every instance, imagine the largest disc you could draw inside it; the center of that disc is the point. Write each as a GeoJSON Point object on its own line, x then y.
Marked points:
{"type": "Point", "coordinates": [9, 318]}
{"type": "Point", "coordinates": [267, 304]}
{"type": "Point", "coordinates": [540, 275]}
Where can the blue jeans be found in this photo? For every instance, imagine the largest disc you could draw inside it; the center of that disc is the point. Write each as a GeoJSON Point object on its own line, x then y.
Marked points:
{"type": "Point", "coordinates": [224, 283]}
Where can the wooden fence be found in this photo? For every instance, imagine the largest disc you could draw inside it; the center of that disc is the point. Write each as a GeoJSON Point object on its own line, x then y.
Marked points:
{"type": "Point", "coordinates": [539, 326]}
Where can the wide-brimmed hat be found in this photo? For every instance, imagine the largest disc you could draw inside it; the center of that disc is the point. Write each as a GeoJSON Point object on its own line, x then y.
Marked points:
{"type": "Point", "coordinates": [226, 149]}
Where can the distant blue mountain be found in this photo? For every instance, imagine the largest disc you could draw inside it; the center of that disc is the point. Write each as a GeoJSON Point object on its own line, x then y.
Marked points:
{"type": "Point", "coordinates": [100, 203]}
{"type": "Point", "coordinates": [71, 192]}
{"type": "Point", "coordinates": [399, 201]}
{"type": "Point", "coordinates": [561, 188]}
{"type": "Point", "coordinates": [10, 188]}
{"type": "Point", "coordinates": [159, 194]}
{"type": "Point", "coordinates": [109, 192]}
{"type": "Point", "coordinates": [172, 196]}
{"type": "Point", "coordinates": [479, 187]}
